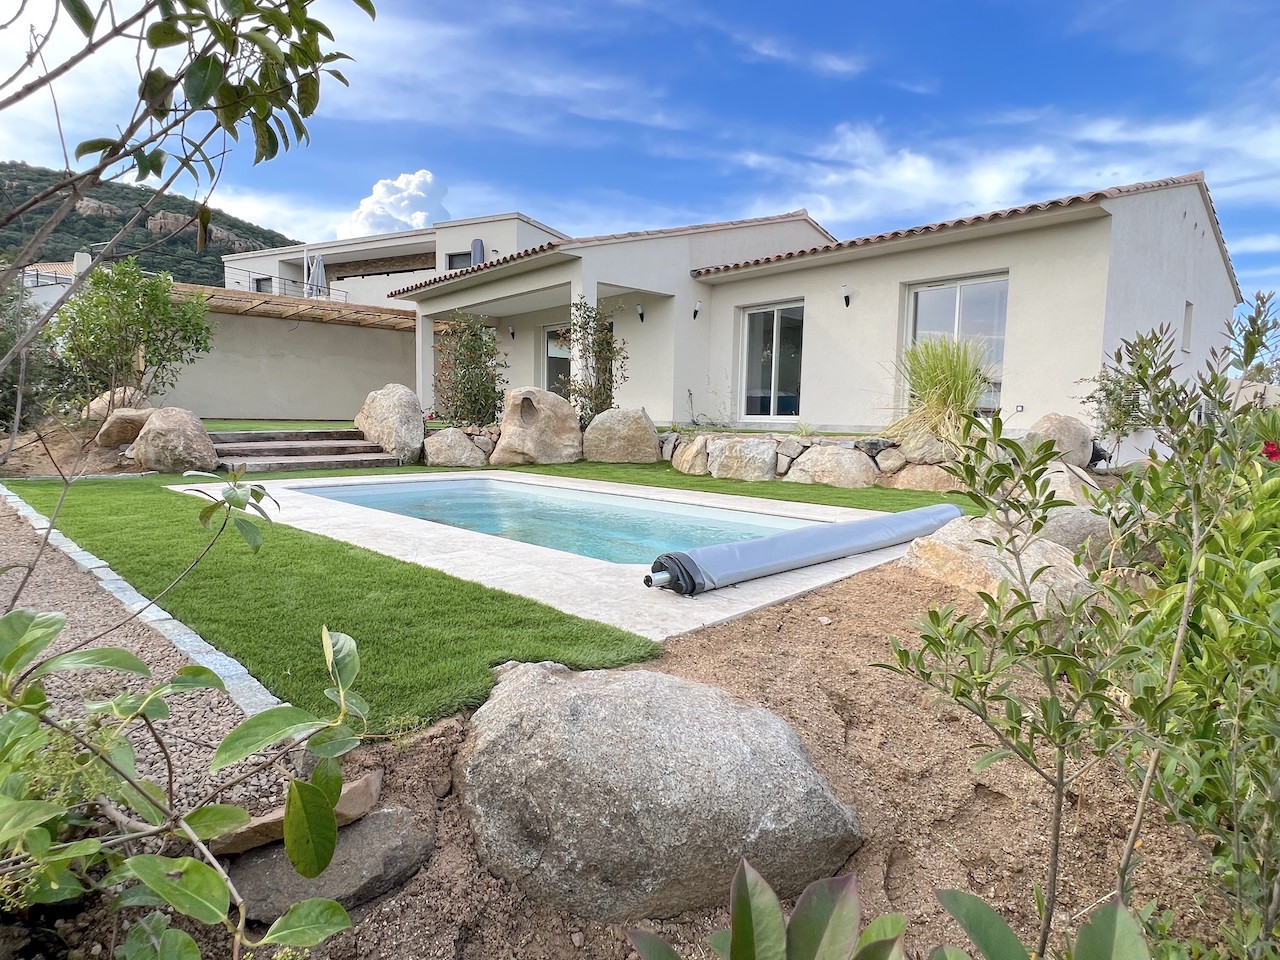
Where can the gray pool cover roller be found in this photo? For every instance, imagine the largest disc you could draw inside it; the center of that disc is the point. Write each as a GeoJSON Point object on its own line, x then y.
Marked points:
{"type": "Point", "coordinates": [709, 568]}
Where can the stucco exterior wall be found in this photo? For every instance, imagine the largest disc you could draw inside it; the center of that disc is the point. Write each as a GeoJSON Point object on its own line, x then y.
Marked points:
{"type": "Point", "coordinates": [1057, 295]}
{"type": "Point", "coordinates": [261, 368]}
{"type": "Point", "coordinates": [1164, 255]}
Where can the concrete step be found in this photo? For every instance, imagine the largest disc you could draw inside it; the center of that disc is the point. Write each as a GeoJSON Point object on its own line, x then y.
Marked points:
{"type": "Point", "coordinates": [294, 448]}
{"type": "Point", "coordinates": [254, 436]}
{"type": "Point", "coordinates": [342, 461]}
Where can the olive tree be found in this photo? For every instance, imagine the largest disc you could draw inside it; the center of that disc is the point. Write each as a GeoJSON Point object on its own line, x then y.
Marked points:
{"type": "Point", "coordinates": [208, 71]}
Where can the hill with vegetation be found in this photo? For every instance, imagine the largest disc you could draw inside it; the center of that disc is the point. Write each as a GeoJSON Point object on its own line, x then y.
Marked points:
{"type": "Point", "coordinates": [159, 241]}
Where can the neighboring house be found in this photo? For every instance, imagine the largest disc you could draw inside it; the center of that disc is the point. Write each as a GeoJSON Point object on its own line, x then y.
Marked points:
{"type": "Point", "coordinates": [770, 323]}
{"type": "Point", "coordinates": [366, 269]}
{"type": "Point", "coordinates": [44, 283]}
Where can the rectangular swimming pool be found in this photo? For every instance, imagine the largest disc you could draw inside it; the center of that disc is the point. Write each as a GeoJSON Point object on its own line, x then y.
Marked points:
{"type": "Point", "coordinates": [606, 526]}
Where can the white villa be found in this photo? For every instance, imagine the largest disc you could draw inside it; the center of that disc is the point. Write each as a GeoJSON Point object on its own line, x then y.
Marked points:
{"type": "Point", "coordinates": [763, 323]}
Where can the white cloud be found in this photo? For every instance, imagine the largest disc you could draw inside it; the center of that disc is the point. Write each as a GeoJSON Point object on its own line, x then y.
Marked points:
{"type": "Point", "coordinates": [296, 216]}
{"type": "Point", "coordinates": [1257, 243]}
{"type": "Point", "coordinates": [410, 201]}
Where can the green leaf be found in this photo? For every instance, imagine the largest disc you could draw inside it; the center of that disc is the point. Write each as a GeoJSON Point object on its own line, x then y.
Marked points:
{"type": "Point", "coordinates": [262, 730]}
{"type": "Point", "coordinates": [216, 819]}
{"type": "Point", "coordinates": [195, 677]}
{"type": "Point", "coordinates": [367, 7]}
{"type": "Point", "coordinates": [23, 634]}
{"type": "Point", "coordinates": [887, 926]}
{"type": "Point", "coordinates": [264, 43]}
{"type": "Point", "coordinates": [178, 945]}
{"type": "Point", "coordinates": [327, 778]}
{"type": "Point", "coordinates": [96, 145]}
{"type": "Point", "coordinates": [341, 658]}
{"type": "Point", "coordinates": [310, 830]}
{"type": "Point", "coordinates": [186, 884]}
{"type": "Point", "coordinates": [990, 934]}
{"type": "Point", "coordinates": [948, 953]}
{"type": "Point", "coordinates": [308, 94]}
{"type": "Point", "coordinates": [1111, 934]}
{"type": "Point", "coordinates": [824, 924]}
{"type": "Point", "coordinates": [202, 78]}
{"type": "Point", "coordinates": [164, 33]}
{"type": "Point", "coordinates": [308, 923]}
{"type": "Point", "coordinates": [96, 658]}
{"type": "Point", "coordinates": [249, 531]}
{"type": "Point", "coordinates": [759, 930]}
{"type": "Point", "coordinates": [80, 14]}
{"type": "Point", "coordinates": [650, 946]}
{"type": "Point", "coordinates": [19, 816]}
{"type": "Point", "coordinates": [333, 742]}
{"type": "Point", "coordinates": [721, 942]}
{"type": "Point", "coordinates": [890, 949]}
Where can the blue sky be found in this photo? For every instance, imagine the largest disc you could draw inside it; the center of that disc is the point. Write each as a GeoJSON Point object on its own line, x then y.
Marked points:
{"type": "Point", "coordinates": [606, 116]}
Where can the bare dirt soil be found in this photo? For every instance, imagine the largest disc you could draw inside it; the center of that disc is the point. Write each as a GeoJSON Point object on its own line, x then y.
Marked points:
{"type": "Point", "coordinates": [65, 450]}
{"type": "Point", "coordinates": [902, 760]}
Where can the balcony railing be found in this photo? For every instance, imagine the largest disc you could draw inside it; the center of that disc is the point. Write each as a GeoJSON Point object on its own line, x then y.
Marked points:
{"type": "Point", "coordinates": [238, 278]}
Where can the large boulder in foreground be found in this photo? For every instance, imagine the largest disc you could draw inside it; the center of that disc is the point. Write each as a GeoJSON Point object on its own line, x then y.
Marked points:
{"type": "Point", "coordinates": [122, 426]}
{"type": "Point", "coordinates": [918, 476]}
{"type": "Point", "coordinates": [392, 418]}
{"type": "Point", "coordinates": [1072, 438]}
{"type": "Point", "coordinates": [451, 447]}
{"type": "Point", "coordinates": [116, 399]}
{"type": "Point", "coordinates": [620, 795]}
{"type": "Point", "coordinates": [538, 426]}
{"type": "Point", "coordinates": [173, 440]}
{"type": "Point", "coordinates": [375, 855]}
{"type": "Point", "coordinates": [834, 466]}
{"type": "Point", "coordinates": [742, 458]}
{"type": "Point", "coordinates": [955, 555]}
{"type": "Point", "coordinates": [691, 457]}
{"type": "Point", "coordinates": [621, 436]}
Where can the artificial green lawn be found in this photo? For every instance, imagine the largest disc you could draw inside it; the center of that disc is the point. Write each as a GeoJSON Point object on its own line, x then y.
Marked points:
{"type": "Point", "coordinates": [426, 639]}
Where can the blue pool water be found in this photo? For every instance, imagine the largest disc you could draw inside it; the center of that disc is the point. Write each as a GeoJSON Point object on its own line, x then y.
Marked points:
{"type": "Point", "coordinates": [606, 526]}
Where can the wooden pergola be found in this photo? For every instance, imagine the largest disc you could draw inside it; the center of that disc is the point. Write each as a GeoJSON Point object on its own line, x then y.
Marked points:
{"type": "Point", "coordinates": [250, 303]}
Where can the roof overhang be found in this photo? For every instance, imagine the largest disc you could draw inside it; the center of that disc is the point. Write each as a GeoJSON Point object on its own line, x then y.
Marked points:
{"type": "Point", "coordinates": [271, 306]}
{"type": "Point", "coordinates": [516, 266]}
{"type": "Point", "coordinates": [881, 246]}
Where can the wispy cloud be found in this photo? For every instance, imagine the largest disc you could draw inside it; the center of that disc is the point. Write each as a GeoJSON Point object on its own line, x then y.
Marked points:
{"type": "Point", "coordinates": [1257, 243]}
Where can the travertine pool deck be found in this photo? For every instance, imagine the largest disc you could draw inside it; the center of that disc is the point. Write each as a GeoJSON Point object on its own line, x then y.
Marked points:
{"type": "Point", "coordinates": [612, 593]}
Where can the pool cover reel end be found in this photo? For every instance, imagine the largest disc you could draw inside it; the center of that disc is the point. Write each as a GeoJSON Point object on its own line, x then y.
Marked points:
{"type": "Point", "coordinates": [709, 568]}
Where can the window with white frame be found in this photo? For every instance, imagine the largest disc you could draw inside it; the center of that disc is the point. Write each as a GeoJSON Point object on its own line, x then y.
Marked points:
{"type": "Point", "coordinates": [774, 342]}
{"type": "Point", "coordinates": [972, 308]}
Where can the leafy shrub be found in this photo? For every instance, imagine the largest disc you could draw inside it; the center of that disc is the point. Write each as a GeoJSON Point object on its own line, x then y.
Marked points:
{"type": "Point", "coordinates": [1117, 404]}
{"type": "Point", "coordinates": [599, 364]}
{"type": "Point", "coordinates": [827, 925]}
{"type": "Point", "coordinates": [946, 382]}
{"type": "Point", "coordinates": [76, 817]}
{"type": "Point", "coordinates": [123, 329]}
{"type": "Point", "coordinates": [468, 387]}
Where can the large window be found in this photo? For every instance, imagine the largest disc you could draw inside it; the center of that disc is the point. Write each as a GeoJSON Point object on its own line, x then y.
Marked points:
{"type": "Point", "coordinates": [775, 336]}
{"type": "Point", "coordinates": [965, 309]}
{"type": "Point", "coordinates": [556, 368]}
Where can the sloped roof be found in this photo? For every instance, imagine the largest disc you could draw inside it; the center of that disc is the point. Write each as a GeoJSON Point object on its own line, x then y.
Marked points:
{"type": "Point", "coordinates": [58, 268]}
{"type": "Point", "coordinates": [578, 242]}
{"type": "Point", "coordinates": [1093, 196]}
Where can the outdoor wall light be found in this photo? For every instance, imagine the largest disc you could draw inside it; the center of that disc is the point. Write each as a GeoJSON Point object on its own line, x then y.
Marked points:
{"type": "Point", "coordinates": [640, 312]}
{"type": "Point", "coordinates": [511, 330]}
{"type": "Point", "coordinates": [696, 307]}
{"type": "Point", "coordinates": [844, 292]}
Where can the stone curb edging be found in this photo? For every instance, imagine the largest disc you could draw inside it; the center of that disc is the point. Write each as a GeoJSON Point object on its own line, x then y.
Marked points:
{"type": "Point", "coordinates": [246, 692]}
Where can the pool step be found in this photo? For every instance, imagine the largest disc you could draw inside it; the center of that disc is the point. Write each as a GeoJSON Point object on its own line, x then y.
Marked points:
{"type": "Point", "coordinates": [261, 450]}
{"type": "Point", "coordinates": [269, 436]}
{"type": "Point", "coordinates": [340, 461]}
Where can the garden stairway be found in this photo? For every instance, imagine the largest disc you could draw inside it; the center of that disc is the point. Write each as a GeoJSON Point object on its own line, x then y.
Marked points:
{"type": "Point", "coordinates": [261, 450]}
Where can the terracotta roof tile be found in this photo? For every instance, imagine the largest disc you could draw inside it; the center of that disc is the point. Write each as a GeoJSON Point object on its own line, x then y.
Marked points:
{"type": "Point", "coordinates": [475, 268]}
{"type": "Point", "coordinates": [1093, 196]}
{"type": "Point", "coordinates": [604, 238]}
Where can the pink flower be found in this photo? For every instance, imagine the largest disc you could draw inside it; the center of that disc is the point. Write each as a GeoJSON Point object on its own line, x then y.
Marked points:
{"type": "Point", "coordinates": [1271, 450]}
